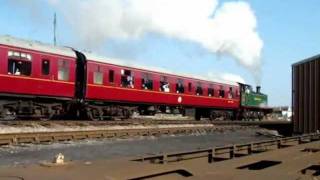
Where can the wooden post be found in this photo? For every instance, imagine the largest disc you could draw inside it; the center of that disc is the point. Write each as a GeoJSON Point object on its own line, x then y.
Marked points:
{"type": "Point", "coordinates": [211, 155]}
{"type": "Point", "coordinates": [164, 159]}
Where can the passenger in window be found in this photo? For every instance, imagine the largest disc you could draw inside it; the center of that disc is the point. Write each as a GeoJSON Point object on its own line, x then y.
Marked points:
{"type": "Point", "coordinates": [17, 72]}
{"type": "Point", "coordinates": [210, 92]}
{"type": "Point", "coordinates": [180, 88]}
{"type": "Point", "coordinates": [143, 84]}
{"type": "Point", "coordinates": [161, 86]}
{"type": "Point", "coordinates": [165, 87]}
{"type": "Point", "coordinates": [127, 79]}
{"type": "Point", "coordinates": [123, 81]}
{"type": "Point", "coordinates": [221, 92]}
{"type": "Point", "coordinates": [146, 81]}
{"type": "Point", "coordinates": [147, 84]}
{"type": "Point", "coordinates": [199, 91]}
{"type": "Point", "coordinates": [19, 63]}
{"type": "Point", "coordinates": [130, 81]}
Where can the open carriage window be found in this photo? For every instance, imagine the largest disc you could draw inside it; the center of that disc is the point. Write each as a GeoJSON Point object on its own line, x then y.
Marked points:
{"type": "Point", "coordinates": [146, 81]}
{"type": "Point", "coordinates": [19, 63]}
{"type": "Point", "coordinates": [199, 90]}
{"type": "Point", "coordinates": [127, 78]}
{"type": "Point", "coordinates": [164, 84]}
{"type": "Point", "coordinates": [179, 86]}
{"type": "Point", "coordinates": [17, 67]}
{"type": "Point", "coordinates": [210, 90]}
{"type": "Point", "coordinates": [98, 76]}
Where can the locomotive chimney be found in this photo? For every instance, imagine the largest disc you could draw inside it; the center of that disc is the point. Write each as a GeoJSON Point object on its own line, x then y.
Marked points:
{"type": "Point", "coordinates": [258, 89]}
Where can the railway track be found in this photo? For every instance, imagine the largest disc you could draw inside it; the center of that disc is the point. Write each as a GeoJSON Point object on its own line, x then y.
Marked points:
{"type": "Point", "coordinates": [28, 131]}
{"type": "Point", "coordinates": [59, 136]}
{"type": "Point", "coordinates": [102, 123]}
{"type": "Point", "coordinates": [137, 122]}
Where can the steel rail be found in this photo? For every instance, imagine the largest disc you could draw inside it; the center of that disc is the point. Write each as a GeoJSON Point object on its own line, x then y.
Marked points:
{"type": "Point", "coordinates": [140, 121]}
{"type": "Point", "coordinates": [118, 122]}
{"type": "Point", "coordinates": [49, 137]}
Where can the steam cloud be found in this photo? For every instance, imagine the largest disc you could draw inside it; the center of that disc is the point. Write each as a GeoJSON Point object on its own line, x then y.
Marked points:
{"type": "Point", "coordinates": [226, 77]}
{"type": "Point", "coordinates": [228, 29]}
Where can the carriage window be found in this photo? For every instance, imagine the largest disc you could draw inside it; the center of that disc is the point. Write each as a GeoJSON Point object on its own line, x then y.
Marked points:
{"type": "Point", "coordinates": [230, 94]}
{"type": "Point", "coordinates": [18, 67]}
{"type": "Point", "coordinates": [179, 86]}
{"type": "Point", "coordinates": [189, 87]}
{"type": "Point", "coordinates": [98, 76]}
{"type": "Point", "coordinates": [127, 78]}
{"type": "Point", "coordinates": [19, 63]}
{"type": "Point", "coordinates": [63, 70]}
{"type": "Point", "coordinates": [164, 84]}
{"type": "Point", "coordinates": [210, 91]}
{"type": "Point", "coordinates": [146, 81]}
{"type": "Point", "coordinates": [111, 76]}
{"type": "Point", "coordinates": [199, 90]}
{"type": "Point", "coordinates": [45, 67]}
{"type": "Point", "coordinates": [221, 92]}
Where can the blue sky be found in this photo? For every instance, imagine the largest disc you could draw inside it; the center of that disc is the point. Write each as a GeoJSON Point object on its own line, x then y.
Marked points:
{"type": "Point", "coordinates": [290, 31]}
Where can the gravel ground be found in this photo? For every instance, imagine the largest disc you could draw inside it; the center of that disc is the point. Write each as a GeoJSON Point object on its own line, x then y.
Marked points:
{"type": "Point", "coordinates": [91, 150]}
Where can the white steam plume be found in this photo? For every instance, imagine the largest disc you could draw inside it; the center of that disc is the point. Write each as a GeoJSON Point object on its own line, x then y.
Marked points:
{"type": "Point", "coordinates": [229, 29]}
{"type": "Point", "coordinates": [226, 77]}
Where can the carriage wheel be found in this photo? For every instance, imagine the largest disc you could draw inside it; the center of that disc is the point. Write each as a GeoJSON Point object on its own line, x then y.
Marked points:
{"type": "Point", "coordinates": [94, 114]}
{"type": "Point", "coordinates": [8, 114]}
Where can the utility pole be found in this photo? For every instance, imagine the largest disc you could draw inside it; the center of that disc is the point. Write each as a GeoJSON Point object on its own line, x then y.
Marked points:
{"type": "Point", "coordinates": [54, 29]}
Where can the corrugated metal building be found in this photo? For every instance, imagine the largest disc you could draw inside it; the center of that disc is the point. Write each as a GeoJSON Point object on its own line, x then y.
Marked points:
{"type": "Point", "coordinates": [306, 95]}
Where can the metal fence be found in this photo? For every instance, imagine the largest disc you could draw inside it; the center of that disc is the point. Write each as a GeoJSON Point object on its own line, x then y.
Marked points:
{"type": "Point", "coordinates": [231, 151]}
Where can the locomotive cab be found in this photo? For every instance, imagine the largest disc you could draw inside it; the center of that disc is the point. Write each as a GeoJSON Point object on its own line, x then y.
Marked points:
{"type": "Point", "coordinates": [254, 104]}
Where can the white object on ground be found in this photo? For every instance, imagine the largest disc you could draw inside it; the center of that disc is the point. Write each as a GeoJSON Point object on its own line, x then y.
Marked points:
{"type": "Point", "coordinates": [59, 159]}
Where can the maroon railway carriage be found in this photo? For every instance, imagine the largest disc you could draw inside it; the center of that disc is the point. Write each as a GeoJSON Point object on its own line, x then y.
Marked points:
{"type": "Point", "coordinates": [108, 82]}
{"type": "Point", "coordinates": [35, 80]}
{"type": "Point", "coordinates": [40, 80]}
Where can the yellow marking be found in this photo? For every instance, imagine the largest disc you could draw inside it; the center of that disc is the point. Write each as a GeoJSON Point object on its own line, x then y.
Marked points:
{"type": "Point", "coordinates": [257, 99]}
